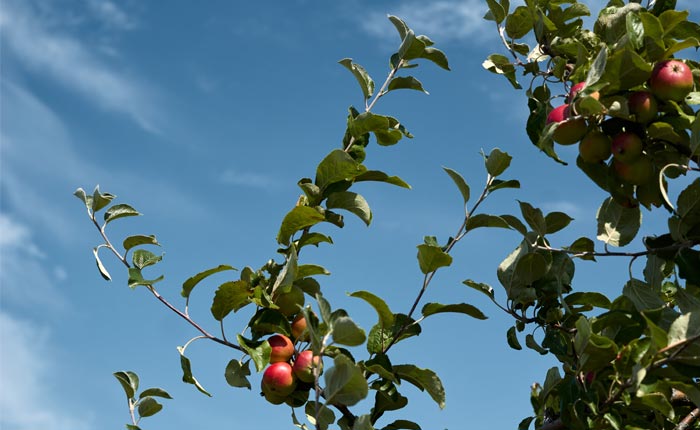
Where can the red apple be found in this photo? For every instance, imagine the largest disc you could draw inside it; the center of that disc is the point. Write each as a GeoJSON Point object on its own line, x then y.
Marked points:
{"type": "Point", "coordinates": [299, 331]}
{"type": "Point", "coordinates": [626, 147]}
{"type": "Point", "coordinates": [282, 349]}
{"type": "Point", "coordinates": [569, 131]}
{"type": "Point", "coordinates": [638, 172]}
{"type": "Point", "coordinates": [642, 105]}
{"type": "Point", "coordinates": [595, 147]}
{"type": "Point", "coordinates": [304, 366]}
{"type": "Point", "coordinates": [671, 80]}
{"type": "Point", "coordinates": [573, 92]}
{"type": "Point", "coordinates": [291, 301]}
{"type": "Point", "coordinates": [278, 381]}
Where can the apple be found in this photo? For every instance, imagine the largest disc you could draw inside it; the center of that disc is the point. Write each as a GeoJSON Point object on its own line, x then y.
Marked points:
{"type": "Point", "coordinates": [671, 80]}
{"type": "Point", "coordinates": [299, 331]}
{"type": "Point", "coordinates": [282, 349]}
{"type": "Point", "coordinates": [569, 131]}
{"type": "Point", "coordinates": [278, 381]}
{"type": "Point", "coordinates": [573, 92]}
{"type": "Point", "coordinates": [595, 147]}
{"type": "Point", "coordinates": [626, 147]}
{"type": "Point", "coordinates": [303, 367]}
{"type": "Point", "coordinates": [642, 105]}
{"type": "Point", "coordinates": [638, 172]}
{"type": "Point", "coordinates": [291, 301]}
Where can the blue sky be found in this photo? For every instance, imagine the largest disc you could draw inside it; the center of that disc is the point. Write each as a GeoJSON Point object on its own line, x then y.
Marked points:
{"type": "Point", "coordinates": [203, 118]}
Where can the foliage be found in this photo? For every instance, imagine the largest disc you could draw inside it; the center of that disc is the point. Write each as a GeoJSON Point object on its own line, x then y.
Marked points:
{"type": "Point", "coordinates": [629, 362]}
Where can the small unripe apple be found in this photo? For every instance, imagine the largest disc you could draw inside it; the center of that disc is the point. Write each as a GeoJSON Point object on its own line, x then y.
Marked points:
{"type": "Point", "coordinates": [638, 172]}
{"type": "Point", "coordinates": [569, 131]}
{"type": "Point", "coordinates": [643, 106]}
{"type": "Point", "coordinates": [303, 367]}
{"type": "Point", "coordinates": [278, 381]}
{"type": "Point", "coordinates": [290, 302]}
{"type": "Point", "coordinates": [595, 147]}
{"type": "Point", "coordinates": [626, 147]}
{"type": "Point", "coordinates": [671, 80]}
{"type": "Point", "coordinates": [299, 332]}
{"type": "Point", "coordinates": [282, 349]}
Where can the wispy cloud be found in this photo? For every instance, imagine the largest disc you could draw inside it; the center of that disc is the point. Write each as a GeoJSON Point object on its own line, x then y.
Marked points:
{"type": "Point", "coordinates": [443, 20]}
{"type": "Point", "coordinates": [39, 44]}
{"type": "Point", "coordinates": [248, 179]}
{"type": "Point", "coordinates": [111, 15]}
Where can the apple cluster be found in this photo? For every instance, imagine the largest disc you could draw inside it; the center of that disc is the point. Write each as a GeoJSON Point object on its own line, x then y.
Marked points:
{"type": "Point", "coordinates": [290, 375]}
{"type": "Point", "coordinates": [624, 134]}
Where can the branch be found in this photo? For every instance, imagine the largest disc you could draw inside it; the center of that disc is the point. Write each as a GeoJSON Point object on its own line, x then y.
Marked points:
{"type": "Point", "coordinates": [675, 247]}
{"type": "Point", "coordinates": [688, 420]}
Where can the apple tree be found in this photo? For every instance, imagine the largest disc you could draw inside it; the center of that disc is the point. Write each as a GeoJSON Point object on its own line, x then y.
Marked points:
{"type": "Point", "coordinates": [624, 91]}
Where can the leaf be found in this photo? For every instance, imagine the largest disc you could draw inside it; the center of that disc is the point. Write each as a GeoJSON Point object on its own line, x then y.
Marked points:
{"type": "Point", "coordinates": [462, 308]}
{"type": "Point", "coordinates": [155, 392]}
{"type": "Point", "coordinates": [288, 274]}
{"type": "Point", "coordinates": [351, 202]}
{"type": "Point", "coordinates": [306, 270]}
{"type": "Point", "coordinates": [460, 182]}
{"type": "Point", "coordinates": [187, 376]}
{"type": "Point", "coordinates": [402, 424]}
{"type": "Point", "coordinates": [496, 12]}
{"type": "Point", "coordinates": [129, 382]}
{"type": "Point", "coordinates": [143, 258]}
{"type": "Point", "coordinates": [497, 162]}
{"type": "Point", "coordinates": [148, 406]}
{"type": "Point", "coordinates": [659, 402]}
{"type": "Point", "coordinates": [583, 245]}
{"type": "Point", "coordinates": [119, 211]}
{"type": "Point", "coordinates": [346, 332]}
{"type": "Point", "coordinates": [534, 218]}
{"type": "Point", "coordinates": [100, 200]}
{"type": "Point", "coordinates": [406, 82]}
{"type": "Point", "coordinates": [192, 281]}
{"type": "Point", "coordinates": [400, 25]}
{"type": "Point", "coordinates": [531, 343]}
{"type": "Point", "coordinates": [498, 184]}
{"type": "Point", "coordinates": [133, 241]}
{"type": "Point", "coordinates": [132, 427]}
{"type": "Point", "coordinates": [136, 278]}
{"type": "Point", "coordinates": [642, 296]}
{"type": "Point", "coordinates": [556, 221]}
{"type": "Point", "coordinates": [588, 298]}
{"type": "Point", "coordinates": [230, 296]}
{"type": "Point", "coordinates": [431, 258]}
{"type": "Point", "coordinates": [345, 383]}
{"type": "Point", "coordinates": [423, 379]}
{"type": "Point", "coordinates": [437, 57]}
{"type": "Point", "coordinates": [237, 373]}
{"type": "Point", "coordinates": [486, 220]}
{"type": "Point", "coordinates": [363, 422]}
{"type": "Point", "coordinates": [519, 23]}
{"type": "Point", "coordinates": [100, 266]}
{"type": "Point", "coordinates": [335, 167]}
{"type": "Point", "coordinates": [617, 225]}
{"type": "Point", "coordinates": [377, 176]}
{"type": "Point", "coordinates": [685, 327]}
{"type": "Point", "coordinates": [484, 288]}
{"type": "Point", "coordinates": [320, 416]}
{"type": "Point", "coordinates": [381, 336]}
{"type": "Point", "coordinates": [259, 351]}
{"type": "Point", "coordinates": [386, 317]}
{"type": "Point", "coordinates": [501, 65]}
{"type": "Point", "coordinates": [297, 219]}
{"type": "Point", "coordinates": [80, 194]}
{"type": "Point", "coordinates": [635, 30]}
{"type": "Point", "coordinates": [363, 78]}
{"type": "Point", "coordinates": [512, 338]}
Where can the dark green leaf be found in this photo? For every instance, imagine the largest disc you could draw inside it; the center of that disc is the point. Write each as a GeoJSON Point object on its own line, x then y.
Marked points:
{"type": "Point", "coordinates": [155, 392]}
{"type": "Point", "coordinates": [486, 220]}
{"type": "Point", "coordinates": [406, 82]}
{"type": "Point", "coordinates": [625, 69]}
{"type": "Point", "coordinates": [512, 338]}
{"type": "Point", "coordinates": [320, 416]}
{"type": "Point", "coordinates": [402, 424]}
{"type": "Point", "coordinates": [259, 351]}
{"type": "Point", "coordinates": [496, 11]}
{"type": "Point", "coordinates": [532, 344]}
{"type": "Point", "coordinates": [363, 422]}
{"type": "Point", "coordinates": [136, 278]}
{"type": "Point", "coordinates": [642, 295]}
{"type": "Point", "coordinates": [635, 30]}
{"type": "Point", "coordinates": [337, 166]}
{"type": "Point", "coordinates": [119, 211]}
{"type": "Point", "coordinates": [381, 336]}
{"type": "Point", "coordinates": [534, 218]}
{"type": "Point", "coordinates": [525, 423]}
{"type": "Point", "coordinates": [424, 379]}
{"type": "Point", "coordinates": [133, 241]}
{"type": "Point", "coordinates": [230, 296]}
{"type": "Point", "coordinates": [297, 219]}
{"type": "Point", "coordinates": [345, 383]}
{"type": "Point", "coordinates": [351, 202]}
{"type": "Point", "coordinates": [237, 374]}
{"type": "Point", "coordinates": [484, 288]}
{"type": "Point", "coordinates": [498, 184]}
{"type": "Point", "coordinates": [346, 332]}
{"type": "Point", "coordinates": [462, 308]}
{"type": "Point", "coordinates": [148, 406]}
{"type": "Point", "coordinates": [191, 282]}
{"type": "Point", "coordinates": [583, 298]}
{"type": "Point", "coordinates": [377, 176]}
{"type": "Point", "coordinates": [460, 182]}
{"type": "Point", "coordinates": [556, 221]}
{"type": "Point", "coordinates": [363, 78]}
{"type": "Point", "coordinates": [515, 223]}
{"type": "Point", "coordinates": [187, 376]}
{"type": "Point", "coordinates": [431, 258]}
{"type": "Point", "coordinates": [519, 23]}
{"type": "Point", "coordinates": [129, 382]}
{"type": "Point", "coordinates": [617, 225]}
{"type": "Point", "coordinates": [583, 245]}
{"type": "Point", "coordinates": [437, 57]}
{"type": "Point", "coordinates": [132, 427]}
{"type": "Point", "coordinates": [497, 162]}
{"type": "Point", "coordinates": [386, 317]}
{"type": "Point", "coordinates": [306, 270]}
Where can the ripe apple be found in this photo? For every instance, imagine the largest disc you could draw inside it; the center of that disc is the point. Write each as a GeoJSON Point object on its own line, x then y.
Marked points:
{"type": "Point", "coordinates": [282, 349]}
{"type": "Point", "coordinates": [671, 80]}
{"type": "Point", "coordinates": [637, 172]}
{"type": "Point", "coordinates": [291, 301]}
{"type": "Point", "coordinates": [569, 131]}
{"type": "Point", "coordinates": [299, 331]}
{"type": "Point", "coordinates": [577, 88]}
{"type": "Point", "coordinates": [303, 367]}
{"type": "Point", "coordinates": [278, 381]}
{"type": "Point", "coordinates": [626, 147]}
{"type": "Point", "coordinates": [642, 105]}
{"type": "Point", "coordinates": [595, 147]}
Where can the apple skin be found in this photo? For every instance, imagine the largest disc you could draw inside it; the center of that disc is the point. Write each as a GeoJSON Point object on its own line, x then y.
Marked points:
{"type": "Point", "coordinates": [577, 88]}
{"type": "Point", "coordinates": [595, 147]}
{"type": "Point", "coordinates": [671, 80]}
{"type": "Point", "coordinates": [626, 147]}
{"type": "Point", "coordinates": [643, 106]}
{"type": "Point", "coordinates": [303, 367]}
{"type": "Point", "coordinates": [282, 348]}
{"type": "Point", "coordinates": [638, 172]}
{"type": "Point", "coordinates": [570, 131]}
{"type": "Point", "coordinates": [299, 332]}
{"type": "Point", "coordinates": [290, 302]}
{"type": "Point", "coordinates": [278, 381]}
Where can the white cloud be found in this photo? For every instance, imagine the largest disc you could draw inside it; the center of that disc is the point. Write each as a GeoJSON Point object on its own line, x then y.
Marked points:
{"type": "Point", "coordinates": [565, 206]}
{"type": "Point", "coordinates": [443, 20]}
{"type": "Point", "coordinates": [111, 15]}
{"type": "Point", "coordinates": [68, 59]}
{"type": "Point", "coordinates": [27, 401]}
{"type": "Point", "coordinates": [248, 179]}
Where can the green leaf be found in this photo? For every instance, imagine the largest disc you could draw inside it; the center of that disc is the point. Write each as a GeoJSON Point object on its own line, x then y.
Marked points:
{"type": "Point", "coordinates": [259, 351]}
{"type": "Point", "coordinates": [381, 336]}
{"type": "Point", "coordinates": [386, 317]}
{"type": "Point", "coordinates": [501, 65]}
{"type": "Point", "coordinates": [377, 176]}
{"type": "Point", "coordinates": [460, 182]}
{"type": "Point", "coordinates": [230, 296]}
{"type": "Point", "coordinates": [437, 57]}
{"type": "Point", "coordinates": [363, 422]}
{"type": "Point", "coordinates": [100, 266]}
{"type": "Point", "coordinates": [335, 167]}
{"type": "Point", "coordinates": [515, 223]}
{"type": "Point", "coordinates": [530, 268]}
{"type": "Point", "coordinates": [497, 162]}
{"type": "Point", "coordinates": [132, 427]}
{"type": "Point", "coordinates": [525, 423]}
{"type": "Point", "coordinates": [431, 258]}
{"type": "Point", "coordinates": [148, 406]}
{"type": "Point", "coordinates": [119, 211]}
{"type": "Point", "coordinates": [685, 327]}
{"type": "Point", "coordinates": [136, 278]}
{"type": "Point", "coordinates": [642, 295]}
{"type": "Point", "coordinates": [484, 288]}
{"type": "Point", "coordinates": [288, 274]}
{"type": "Point", "coordinates": [136, 240]}
{"type": "Point", "coordinates": [187, 376]}
{"type": "Point", "coordinates": [556, 221]}
{"type": "Point", "coordinates": [351, 202]}
{"type": "Point", "coordinates": [400, 25]}
{"type": "Point", "coordinates": [588, 298]}
{"type": "Point", "coordinates": [306, 270]}
{"type": "Point", "coordinates": [625, 69]}
{"type": "Point", "coordinates": [363, 78]}
{"type": "Point", "coordinates": [498, 184]}
{"type": "Point", "coordinates": [155, 392]}
{"type": "Point", "coordinates": [617, 225]}
{"type": "Point", "coordinates": [462, 308]}
{"type": "Point", "coordinates": [297, 219]}
{"type": "Point", "coordinates": [531, 343]}
{"type": "Point", "coordinates": [346, 332]}
{"type": "Point", "coordinates": [237, 373]}
{"type": "Point", "coordinates": [496, 12]}
{"type": "Point", "coordinates": [83, 197]}
{"type": "Point", "coordinates": [519, 23]}
{"type": "Point", "coordinates": [512, 338]}
{"type": "Point", "coordinates": [143, 258]}
{"type": "Point", "coordinates": [129, 382]}
{"type": "Point", "coordinates": [486, 220]}
{"type": "Point", "coordinates": [583, 245]}
{"type": "Point", "coordinates": [534, 218]}
{"type": "Point", "coordinates": [406, 82]}
{"type": "Point", "coordinates": [402, 424]}
{"type": "Point", "coordinates": [423, 379]}
{"type": "Point", "coordinates": [100, 200]}
{"type": "Point", "coordinates": [635, 30]}
{"type": "Point", "coordinates": [345, 383]}
{"type": "Point", "coordinates": [192, 281]}
{"type": "Point", "coordinates": [693, 98]}
{"type": "Point", "coordinates": [658, 402]}
{"type": "Point", "coordinates": [320, 416]}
